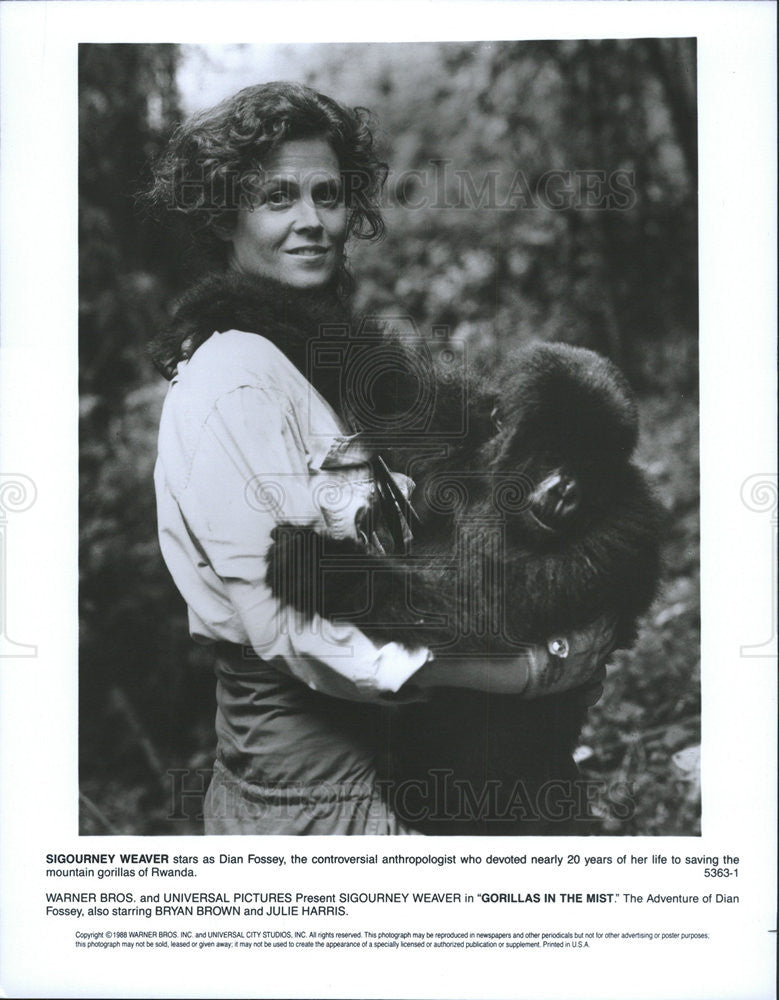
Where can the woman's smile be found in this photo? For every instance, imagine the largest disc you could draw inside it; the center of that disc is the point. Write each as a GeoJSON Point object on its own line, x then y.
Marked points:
{"type": "Point", "coordinates": [295, 228]}
{"type": "Point", "coordinates": [314, 251]}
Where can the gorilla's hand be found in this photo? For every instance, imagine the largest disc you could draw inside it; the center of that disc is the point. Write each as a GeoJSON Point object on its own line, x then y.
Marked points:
{"type": "Point", "coordinates": [562, 665]}
{"type": "Point", "coordinates": [579, 660]}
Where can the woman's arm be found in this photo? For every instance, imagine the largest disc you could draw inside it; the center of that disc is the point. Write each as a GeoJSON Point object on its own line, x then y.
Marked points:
{"type": "Point", "coordinates": [250, 471]}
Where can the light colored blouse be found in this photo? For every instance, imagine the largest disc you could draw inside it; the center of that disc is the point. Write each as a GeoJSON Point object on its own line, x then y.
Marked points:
{"type": "Point", "coordinates": [245, 443]}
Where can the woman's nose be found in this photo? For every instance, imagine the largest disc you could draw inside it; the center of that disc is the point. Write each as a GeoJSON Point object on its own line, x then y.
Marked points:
{"type": "Point", "coordinates": [307, 215]}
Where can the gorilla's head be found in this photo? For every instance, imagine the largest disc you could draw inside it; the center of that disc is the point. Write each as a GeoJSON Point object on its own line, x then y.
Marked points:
{"type": "Point", "coordinates": [567, 427]}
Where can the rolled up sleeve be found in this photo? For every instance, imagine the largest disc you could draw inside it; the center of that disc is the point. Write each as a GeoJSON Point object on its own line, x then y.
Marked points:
{"type": "Point", "coordinates": [251, 470]}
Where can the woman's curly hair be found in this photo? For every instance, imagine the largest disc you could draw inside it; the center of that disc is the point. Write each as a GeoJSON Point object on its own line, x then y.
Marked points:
{"type": "Point", "coordinates": [209, 167]}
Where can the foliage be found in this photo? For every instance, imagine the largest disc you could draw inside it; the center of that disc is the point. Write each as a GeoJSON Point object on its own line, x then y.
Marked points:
{"type": "Point", "coordinates": [484, 240]}
{"type": "Point", "coordinates": [131, 615]}
{"type": "Point", "coordinates": [476, 123]}
{"type": "Point", "coordinates": [650, 709]}
{"type": "Point", "coordinates": [127, 105]}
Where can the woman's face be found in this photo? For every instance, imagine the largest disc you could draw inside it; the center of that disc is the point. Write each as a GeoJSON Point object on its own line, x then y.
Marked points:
{"type": "Point", "coordinates": [296, 229]}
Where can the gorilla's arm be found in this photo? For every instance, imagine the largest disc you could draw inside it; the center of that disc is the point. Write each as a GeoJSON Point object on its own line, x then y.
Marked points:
{"type": "Point", "coordinates": [382, 595]}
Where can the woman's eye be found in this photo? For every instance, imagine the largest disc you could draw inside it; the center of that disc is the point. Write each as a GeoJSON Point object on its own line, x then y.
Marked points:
{"type": "Point", "coordinates": [279, 197]}
{"type": "Point", "coordinates": [327, 194]}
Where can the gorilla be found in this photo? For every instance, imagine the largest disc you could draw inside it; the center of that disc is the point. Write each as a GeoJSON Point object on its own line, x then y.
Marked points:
{"type": "Point", "coordinates": [529, 519]}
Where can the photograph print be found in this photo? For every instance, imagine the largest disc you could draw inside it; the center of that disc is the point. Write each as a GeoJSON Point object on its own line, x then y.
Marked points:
{"type": "Point", "coordinates": [389, 490]}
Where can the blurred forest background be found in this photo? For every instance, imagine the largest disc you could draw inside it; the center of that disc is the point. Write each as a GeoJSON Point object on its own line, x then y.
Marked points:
{"type": "Point", "coordinates": [620, 278]}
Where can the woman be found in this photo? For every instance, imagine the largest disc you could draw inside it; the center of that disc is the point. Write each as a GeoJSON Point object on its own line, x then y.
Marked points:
{"type": "Point", "coordinates": [273, 182]}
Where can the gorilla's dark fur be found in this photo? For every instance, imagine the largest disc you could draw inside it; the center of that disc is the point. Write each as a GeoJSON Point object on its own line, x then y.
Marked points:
{"type": "Point", "coordinates": [533, 521]}
{"type": "Point", "coordinates": [536, 509]}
